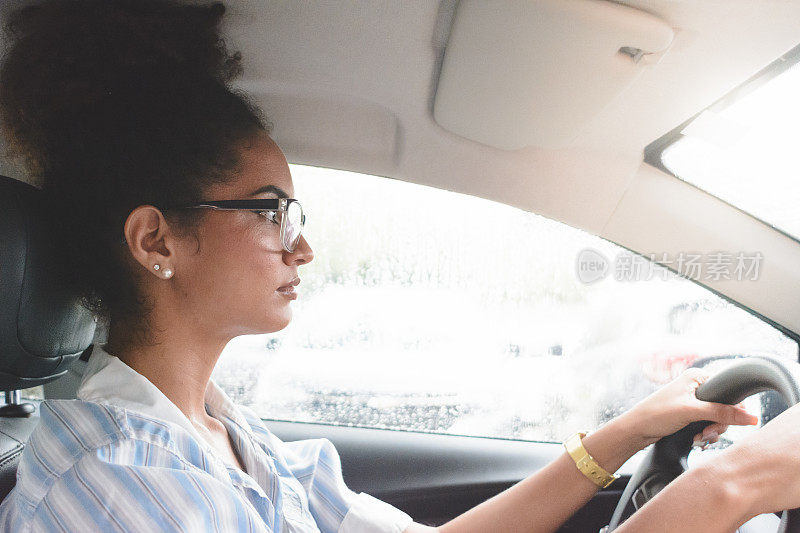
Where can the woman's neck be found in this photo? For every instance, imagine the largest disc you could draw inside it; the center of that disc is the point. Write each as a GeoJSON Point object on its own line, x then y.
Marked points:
{"type": "Point", "coordinates": [178, 362]}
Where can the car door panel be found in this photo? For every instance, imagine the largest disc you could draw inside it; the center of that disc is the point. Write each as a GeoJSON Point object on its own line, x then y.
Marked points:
{"type": "Point", "coordinates": [436, 477]}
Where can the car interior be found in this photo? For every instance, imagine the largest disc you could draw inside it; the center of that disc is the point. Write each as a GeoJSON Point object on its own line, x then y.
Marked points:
{"type": "Point", "coordinates": [562, 108]}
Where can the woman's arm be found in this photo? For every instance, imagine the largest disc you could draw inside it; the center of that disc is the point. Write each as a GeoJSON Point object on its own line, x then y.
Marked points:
{"type": "Point", "coordinates": [708, 498]}
{"type": "Point", "coordinates": [546, 499]}
{"type": "Point", "coordinates": [759, 474]}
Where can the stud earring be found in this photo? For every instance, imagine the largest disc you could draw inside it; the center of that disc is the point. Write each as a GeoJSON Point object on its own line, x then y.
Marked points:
{"type": "Point", "coordinates": [156, 267]}
{"type": "Point", "coordinates": [167, 273]}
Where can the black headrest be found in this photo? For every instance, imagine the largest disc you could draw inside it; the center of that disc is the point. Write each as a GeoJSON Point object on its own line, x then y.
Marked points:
{"type": "Point", "coordinates": [43, 326]}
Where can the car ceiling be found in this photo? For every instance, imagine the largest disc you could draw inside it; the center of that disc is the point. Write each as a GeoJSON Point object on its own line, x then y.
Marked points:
{"type": "Point", "coordinates": [352, 85]}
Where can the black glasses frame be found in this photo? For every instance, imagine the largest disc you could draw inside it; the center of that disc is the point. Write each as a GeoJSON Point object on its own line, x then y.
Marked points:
{"type": "Point", "coordinates": [258, 205]}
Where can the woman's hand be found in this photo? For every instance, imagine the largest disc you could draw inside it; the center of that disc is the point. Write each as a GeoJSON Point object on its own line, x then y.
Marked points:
{"type": "Point", "coordinates": [675, 405]}
{"type": "Point", "coordinates": [764, 467]}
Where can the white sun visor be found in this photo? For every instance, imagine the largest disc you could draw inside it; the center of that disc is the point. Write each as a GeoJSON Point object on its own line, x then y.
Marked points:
{"type": "Point", "coordinates": [520, 73]}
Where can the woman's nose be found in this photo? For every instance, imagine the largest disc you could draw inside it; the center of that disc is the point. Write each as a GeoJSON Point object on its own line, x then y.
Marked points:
{"type": "Point", "coordinates": [302, 254]}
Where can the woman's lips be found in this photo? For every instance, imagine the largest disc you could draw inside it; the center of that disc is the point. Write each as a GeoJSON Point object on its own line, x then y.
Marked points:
{"type": "Point", "coordinates": [288, 292]}
{"type": "Point", "coordinates": [288, 289]}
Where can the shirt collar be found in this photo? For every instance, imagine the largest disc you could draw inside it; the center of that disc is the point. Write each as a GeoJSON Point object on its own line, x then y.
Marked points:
{"type": "Point", "coordinates": [108, 380]}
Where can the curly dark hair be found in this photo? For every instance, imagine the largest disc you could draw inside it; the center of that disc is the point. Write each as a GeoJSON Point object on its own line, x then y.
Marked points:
{"type": "Point", "coordinates": [115, 104]}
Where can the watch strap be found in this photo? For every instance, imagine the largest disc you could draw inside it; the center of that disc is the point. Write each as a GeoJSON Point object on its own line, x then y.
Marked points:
{"type": "Point", "coordinates": [586, 463]}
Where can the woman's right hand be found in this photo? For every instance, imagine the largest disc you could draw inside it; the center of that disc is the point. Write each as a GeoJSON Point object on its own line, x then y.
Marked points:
{"type": "Point", "coordinates": [766, 465]}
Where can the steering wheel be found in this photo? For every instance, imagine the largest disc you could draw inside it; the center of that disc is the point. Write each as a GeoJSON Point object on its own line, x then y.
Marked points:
{"type": "Point", "coordinates": [667, 459]}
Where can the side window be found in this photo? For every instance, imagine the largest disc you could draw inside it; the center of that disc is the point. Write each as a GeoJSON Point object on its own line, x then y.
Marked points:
{"type": "Point", "coordinates": [427, 310]}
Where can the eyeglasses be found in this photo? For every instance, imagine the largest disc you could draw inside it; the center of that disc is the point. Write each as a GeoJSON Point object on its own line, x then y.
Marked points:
{"type": "Point", "coordinates": [284, 211]}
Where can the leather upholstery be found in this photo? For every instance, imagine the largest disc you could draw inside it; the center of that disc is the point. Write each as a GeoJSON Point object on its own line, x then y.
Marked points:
{"type": "Point", "coordinates": [43, 327]}
{"type": "Point", "coordinates": [14, 433]}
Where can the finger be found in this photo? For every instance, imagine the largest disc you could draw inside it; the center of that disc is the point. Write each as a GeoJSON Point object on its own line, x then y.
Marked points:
{"type": "Point", "coordinates": [711, 428]}
{"type": "Point", "coordinates": [704, 443]}
{"type": "Point", "coordinates": [696, 376]}
{"type": "Point", "coordinates": [727, 414]}
{"type": "Point", "coordinates": [714, 429]}
{"type": "Point", "coordinates": [721, 429]}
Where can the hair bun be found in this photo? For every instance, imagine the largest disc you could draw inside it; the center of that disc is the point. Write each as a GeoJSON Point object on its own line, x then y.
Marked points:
{"type": "Point", "coordinates": [128, 33]}
{"type": "Point", "coordinates": [69, 57]}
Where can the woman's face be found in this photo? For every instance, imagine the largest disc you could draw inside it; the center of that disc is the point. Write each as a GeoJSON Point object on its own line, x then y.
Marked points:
{"type": "Point", "coordinates": [233, 283]}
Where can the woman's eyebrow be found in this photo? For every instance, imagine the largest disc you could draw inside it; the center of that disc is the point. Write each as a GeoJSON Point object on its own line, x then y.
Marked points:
{"type": "Point", "coordinates": [280, 193]}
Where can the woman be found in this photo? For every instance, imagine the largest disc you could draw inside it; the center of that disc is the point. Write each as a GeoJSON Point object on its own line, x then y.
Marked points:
{"type": "Point", "coordinates": [177, 210]}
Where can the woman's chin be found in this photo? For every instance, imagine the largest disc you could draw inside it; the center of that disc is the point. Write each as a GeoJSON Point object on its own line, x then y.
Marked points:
{"type": "Point", "coordinates": [278, 322]}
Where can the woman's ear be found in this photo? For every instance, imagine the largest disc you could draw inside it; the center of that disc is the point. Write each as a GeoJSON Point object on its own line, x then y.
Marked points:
{"type": "Point", "coordinates": [147, 235]}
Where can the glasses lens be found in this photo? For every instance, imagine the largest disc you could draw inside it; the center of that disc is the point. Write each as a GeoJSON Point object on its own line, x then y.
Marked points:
{"type": "Point", "coordinates": [293, 225]}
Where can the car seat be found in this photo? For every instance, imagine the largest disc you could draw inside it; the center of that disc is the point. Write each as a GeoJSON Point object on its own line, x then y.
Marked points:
{"type": "Point", "coordinates": [43, 326]}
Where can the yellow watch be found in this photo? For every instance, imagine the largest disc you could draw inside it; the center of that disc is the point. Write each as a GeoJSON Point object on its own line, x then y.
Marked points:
{"type": "Point", "coordinates": [586, 463]}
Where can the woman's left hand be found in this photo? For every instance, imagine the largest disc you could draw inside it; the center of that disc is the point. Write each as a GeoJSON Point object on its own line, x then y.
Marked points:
{"type": "Point", "coordinates": [675, 405]}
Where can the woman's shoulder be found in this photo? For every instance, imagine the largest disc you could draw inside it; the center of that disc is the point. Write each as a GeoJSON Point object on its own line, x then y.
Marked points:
{"type": "Point", "coordinates": [77, 426]}
{"type": "Point", "coordinates": [69, 428]}
{"type": "Point", "coordinates": [100, 462]}
{"type": "Point", "coordinates": [70, 431]}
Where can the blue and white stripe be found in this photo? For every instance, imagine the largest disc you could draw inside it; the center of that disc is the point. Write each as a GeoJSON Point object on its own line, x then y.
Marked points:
{"type": "Point", "coordinates": [93, 466]}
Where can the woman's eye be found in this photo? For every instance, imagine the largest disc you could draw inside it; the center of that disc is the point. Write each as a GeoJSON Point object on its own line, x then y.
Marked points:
{"type": "Point", "coordinates": [270, 215]}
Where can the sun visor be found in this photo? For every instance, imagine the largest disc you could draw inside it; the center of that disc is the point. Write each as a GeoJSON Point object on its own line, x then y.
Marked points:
{"type": "Point", "coordinates": [520, 73]}
{"type": "Point", "coordinates": [330, 130]}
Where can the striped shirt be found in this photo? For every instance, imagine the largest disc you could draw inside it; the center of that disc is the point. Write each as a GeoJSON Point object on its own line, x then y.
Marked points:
{"type": "Point", "coordinates": [123, 457]}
